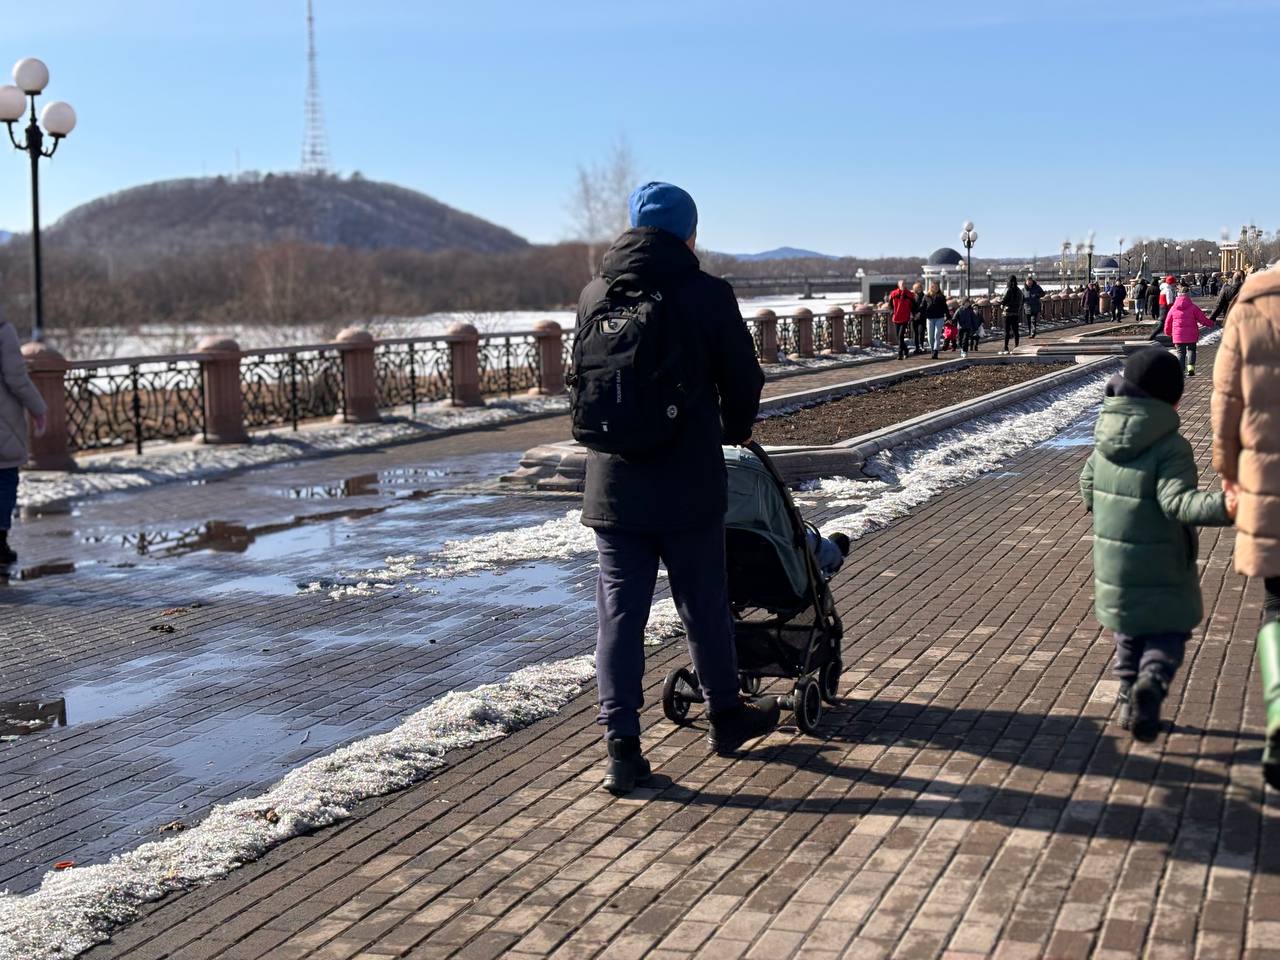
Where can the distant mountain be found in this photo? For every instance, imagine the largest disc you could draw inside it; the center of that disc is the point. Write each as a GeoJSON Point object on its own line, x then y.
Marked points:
{"type": "Point", "coordinates": [784, 253]}
{"type": "Point", "coordinates": [198, 214]}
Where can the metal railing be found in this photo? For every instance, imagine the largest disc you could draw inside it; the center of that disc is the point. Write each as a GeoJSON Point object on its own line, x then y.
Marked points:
{"type": "Point", "coordinates": [128, 401]}
{"type": "Point", "coordinates": [285, 385]}
{"type": "Point", "coordinates": [508, 362]}
{"type": "Point", "coordinates": [410, 371]}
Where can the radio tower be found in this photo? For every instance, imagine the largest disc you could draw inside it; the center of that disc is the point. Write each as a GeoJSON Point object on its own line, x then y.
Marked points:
{"type": "Point", "coordinates": [315, 144]}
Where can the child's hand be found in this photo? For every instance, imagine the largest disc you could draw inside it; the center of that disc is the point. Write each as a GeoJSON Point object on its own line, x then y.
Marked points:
{"type": "Point", "coordinates": [1233, 500]}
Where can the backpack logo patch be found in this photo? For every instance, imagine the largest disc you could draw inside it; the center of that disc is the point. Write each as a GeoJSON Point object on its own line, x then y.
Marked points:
{"type": "Point", "coordinates": [614, 325]}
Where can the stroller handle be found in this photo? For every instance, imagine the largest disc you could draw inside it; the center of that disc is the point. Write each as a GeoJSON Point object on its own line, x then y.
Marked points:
{"type": "Point", "coordinates": [758, 452]}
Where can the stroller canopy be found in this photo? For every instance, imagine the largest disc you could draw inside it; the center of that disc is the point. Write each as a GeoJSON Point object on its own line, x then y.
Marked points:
{"type": "Point", "coordinates": [757, 507]}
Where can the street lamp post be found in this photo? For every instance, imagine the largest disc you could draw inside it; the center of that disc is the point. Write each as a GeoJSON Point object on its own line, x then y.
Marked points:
{"type": "Point", "coordinates": [1166, 259]}
{"type": "Point", "coordinates": [1089, 269]}
{"type": "Point", "coordinates": [991, 286]}
{"type": "Point", "coordinates": [968, 236]}
{"type": "Point", "coordinates": [31, 76]}
{"type": "Point", "coordinates": [1178, 250]}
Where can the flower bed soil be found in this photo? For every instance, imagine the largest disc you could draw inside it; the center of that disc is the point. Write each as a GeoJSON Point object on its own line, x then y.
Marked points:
{"type": "Point", "coordinates": [861, 413]}
{"type": "Point", "coordinates": [1132, 330]}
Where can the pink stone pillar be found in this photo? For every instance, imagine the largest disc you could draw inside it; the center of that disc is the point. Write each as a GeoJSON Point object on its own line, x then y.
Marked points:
{"type": "Point", "coordinates": [865, 315]}
{"type": "Point", "coordinates": [549, 341]}
{"type": "Point", "coordinates": [223, 400]}
{"type": "Point", "coordinates": [359, 377]}
{"type": "Point", "coordinates": [767, 341]}
{"type": "Point", "coordinates": [48, 369]}
{"type": "Point", "coordinates": [464, 361]}
{"type": "Point", "coordinates": [835, 331]}
{"type": "Point", "coordinates": [803, 327]}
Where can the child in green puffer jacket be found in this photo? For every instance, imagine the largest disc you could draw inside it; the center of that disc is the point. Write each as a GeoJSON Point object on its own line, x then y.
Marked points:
{"type": "Point", "coordinates": [1140, 485]}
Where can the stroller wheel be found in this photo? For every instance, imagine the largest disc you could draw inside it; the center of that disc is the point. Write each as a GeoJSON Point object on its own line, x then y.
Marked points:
{"type": "Point", "coordinates": [749, 684]}
{"type": "Point", "coordinates": [808, 705]}
{"type": "Point", "coordinates": [831, 680]}
{"type": "Point", "coordinates": [678, 692]}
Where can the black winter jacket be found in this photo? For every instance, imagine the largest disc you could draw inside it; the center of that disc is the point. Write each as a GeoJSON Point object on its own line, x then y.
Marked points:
{"type": "Point", "coordinates": [1012, 301]}
{"type": "Point", "coordinates": [1032, 296]}
{"type": "Point", "coordinates": [686, 486]}
{"type": "Point", "coordinates": [935, 306]}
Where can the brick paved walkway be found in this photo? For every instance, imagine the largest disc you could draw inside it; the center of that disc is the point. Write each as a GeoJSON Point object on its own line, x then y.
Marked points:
{"type": "Point", "coordinates": [968, 798]}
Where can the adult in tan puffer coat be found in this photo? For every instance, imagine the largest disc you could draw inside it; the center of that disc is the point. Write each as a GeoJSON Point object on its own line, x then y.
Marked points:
{"type": "Point", "coordinates": [18, 397]}
{"type": "Point", "coordinates": [1246, 453]}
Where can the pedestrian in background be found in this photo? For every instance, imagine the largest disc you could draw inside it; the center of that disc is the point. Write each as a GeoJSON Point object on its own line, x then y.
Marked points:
{"type": "Point", "coordinates": [918, 322]}
{"type": "Point", "coordinates": [969, 323]}
{"type": "Point", "coordinates": [1230, 290]}
{"type": "Point", "coordinates": [1140, 485]}
{"type": "Point", "coordinates": [19, 399]}
{"type": "Point", "coordinates": [1118, 293]}
{"type": "Point", "coordinates": [1245, 413]}
{"type": "Point", "coordinates": [1012, 304]}
{"type": "Point", "coordinates": [1183, 325]}
{"type": "Point", "coordinates": [1091, 300]}
{"type": "Point", "coordinates": [936, 313]}
{"type": "Point", "coordinates": [1139, 297]}
{"type": "Point", "coordinates": [902, 303]}
{"type": "Point", "coordinates": [1032, 296]}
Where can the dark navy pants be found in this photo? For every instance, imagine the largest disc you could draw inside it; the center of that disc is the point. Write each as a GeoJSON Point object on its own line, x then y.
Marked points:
{"type": "Point", "coordinates": [624, 593]}
{"type": "Point", "coordinates": [8, 495]}
{"type": "Point", "coordinates": [1161, 652]}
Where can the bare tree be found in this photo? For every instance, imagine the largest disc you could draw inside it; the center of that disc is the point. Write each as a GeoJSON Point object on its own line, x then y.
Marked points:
{"type": "Point", "coordinates": [598, 204]}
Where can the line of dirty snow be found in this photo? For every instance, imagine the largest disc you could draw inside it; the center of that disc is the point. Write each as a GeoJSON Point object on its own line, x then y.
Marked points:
{"type": "Point", "coordinates": [107, 473]}
{"type": "Point", "coordinates": [77, 908]}
{"type": "Point", "coordinates": [909, 476]}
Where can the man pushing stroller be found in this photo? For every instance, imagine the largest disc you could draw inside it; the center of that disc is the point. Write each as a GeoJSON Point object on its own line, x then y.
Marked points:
{"type": "Point", "coordinates": [664, 371]}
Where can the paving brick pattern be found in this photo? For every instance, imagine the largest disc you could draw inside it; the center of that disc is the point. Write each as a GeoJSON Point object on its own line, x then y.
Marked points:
{"type": "Point", "coordinates": [969, 798]}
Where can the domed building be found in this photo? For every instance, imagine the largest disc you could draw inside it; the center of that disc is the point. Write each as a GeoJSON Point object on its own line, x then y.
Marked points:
{"type": "Point", "coordinates": [947, 267]}
{"type": "Point", "coordinates": [1108, 268]}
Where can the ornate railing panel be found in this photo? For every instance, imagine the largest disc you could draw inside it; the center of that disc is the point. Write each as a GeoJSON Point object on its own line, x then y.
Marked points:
{"type": "Point", "coordinates": [412, 372]}
{"type": "Point", "coordinates": [757, 336]}
{"type": "Point", "coordinates": [128, 402]}
{"type": "Point", "coordinates": [786, 336]}
{"type": "Point", "coordinates": [287, 385]}
{"type": "Point", "coordinates": [508, 362]}
{"type": "Point", "coordinates": [821, 334]}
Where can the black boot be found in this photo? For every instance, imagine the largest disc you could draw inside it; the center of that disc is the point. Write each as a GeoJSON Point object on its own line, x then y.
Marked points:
{"type": "Point", "coordinates": [627, 766]}
{"type": "Point", "coordinates": [1148, 694]}
{"type": "Point", "coordinates": [731, 728]}
{"type": "Point", "coordinates": [7, 556]}
{"type": "Point", "coordinates": [1124, 700]}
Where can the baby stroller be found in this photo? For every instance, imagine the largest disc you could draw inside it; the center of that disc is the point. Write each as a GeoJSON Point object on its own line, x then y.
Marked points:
{"type": "Point", "coordinates": [785, 622]}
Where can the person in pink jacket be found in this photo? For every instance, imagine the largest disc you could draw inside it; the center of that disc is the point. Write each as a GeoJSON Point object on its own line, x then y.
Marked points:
{"type": "Point", "coordinates": [1183, 324]}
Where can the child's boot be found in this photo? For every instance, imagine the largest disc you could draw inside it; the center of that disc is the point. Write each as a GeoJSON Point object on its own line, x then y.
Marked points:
{"type": "Point", "coordinates": [1124, 700]}
{"type": "Point", "coordinates": [1191, 369]}
{"type": "Point", "coordinates": [1148, 694]}
{"type": "Point", "coordinates": [1269, 667]}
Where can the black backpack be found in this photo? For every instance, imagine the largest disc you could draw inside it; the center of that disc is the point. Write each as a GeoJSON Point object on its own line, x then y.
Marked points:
{"type": "Point", "coordinates": [626, 391]}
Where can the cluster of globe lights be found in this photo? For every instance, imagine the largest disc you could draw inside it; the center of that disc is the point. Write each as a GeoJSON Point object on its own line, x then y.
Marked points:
{"type": "Point", "coordinates": [30, 77]}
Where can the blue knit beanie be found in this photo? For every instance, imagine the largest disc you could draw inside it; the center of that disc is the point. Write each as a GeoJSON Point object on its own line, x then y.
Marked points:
{"type": "Point", "coordinates": [664, 206]}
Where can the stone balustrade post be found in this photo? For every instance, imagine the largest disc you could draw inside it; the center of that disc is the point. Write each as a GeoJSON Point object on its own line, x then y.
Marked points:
{"type": "Point", "coordinates": [464, 363]}
{"type": "Point", "coordinates": [48, 370]}
{"type": "Point", "coordinates": [549, 341]}
{"type": "Point", "coordinates": [865, 316]}
{"type": "Point", "coordinates": [767, 338]}
{"type": "Point", "coordinates": [359, 377]}
{"type": "Point", "coordinates": [803, 333]}
{"type": "Point", "coordinates": [223, 399]}
{"type": "Point", "coordinates": [835, 331]}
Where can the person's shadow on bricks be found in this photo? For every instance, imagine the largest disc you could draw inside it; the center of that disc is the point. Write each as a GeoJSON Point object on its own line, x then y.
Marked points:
{"type": "Point", "coordinates": [1002, 767]}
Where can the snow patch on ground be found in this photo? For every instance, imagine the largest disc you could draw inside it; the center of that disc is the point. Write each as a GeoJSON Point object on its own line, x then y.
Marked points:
{"type": "Point", "coordinates": [909, 476]}
{"type": "Point", "coordinates": [561, 538]}
{"type": "Point", "coordinates": [77, 908]}
{"type": "Point", "coordinates": [127, 471]}
{"type": "Point", "coordinates": [664, 623]}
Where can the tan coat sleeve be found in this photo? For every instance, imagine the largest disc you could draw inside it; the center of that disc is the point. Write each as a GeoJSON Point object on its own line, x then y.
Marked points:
{"type": "Point", "coordinates": [1227, 406]}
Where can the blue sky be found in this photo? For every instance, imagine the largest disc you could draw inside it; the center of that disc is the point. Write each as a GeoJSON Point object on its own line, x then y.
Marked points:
{"type": "Point", "coordinates": [845, 127]}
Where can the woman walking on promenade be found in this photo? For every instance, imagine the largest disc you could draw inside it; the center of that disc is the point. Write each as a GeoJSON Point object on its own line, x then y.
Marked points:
{"type": "Point", "coordinates": [1092, 301]}
{"type": "Point", "coordinates": [903, 304]}
{"type": "Point", "coordinates": [1012, 304]}
{"type": "Point", "coordinates": [1183, 325]}
{"type": "Point", "coordinates": [18, 397]}
{"type": "Point", "coordinates": [1246, 453]}
{"type": "Point", "coordinates": [936, 312]}
{"type": "Point", "coordinates": [918, 321]}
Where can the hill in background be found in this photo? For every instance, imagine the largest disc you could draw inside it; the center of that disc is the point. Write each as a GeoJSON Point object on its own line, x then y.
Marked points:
{"type": "Point", "coordinates": [197, 215]}
{"type": "Point", "coordinates": [783, 253]}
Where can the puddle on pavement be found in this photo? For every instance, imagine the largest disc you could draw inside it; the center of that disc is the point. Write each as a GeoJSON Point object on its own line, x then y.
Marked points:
{"type": "Point", "coordinates": [538, 585]}
{"type": "Point", "coordinates": [20, 718]}
{"type": "Point", "coordinates": [267, 585]}
{"type": "Point", "coordinates": [365, 485]}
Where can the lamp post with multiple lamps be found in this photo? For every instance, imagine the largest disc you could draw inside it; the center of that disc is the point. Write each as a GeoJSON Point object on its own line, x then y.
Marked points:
{"type": "Point", "coordinates": [1066, 252]}
{"type": "Point", "coordinates": [1088, 274]}
{"type": "Point", "coordinates": [30, 77]}
{"type": "Point", "coordinates": [968, 236]}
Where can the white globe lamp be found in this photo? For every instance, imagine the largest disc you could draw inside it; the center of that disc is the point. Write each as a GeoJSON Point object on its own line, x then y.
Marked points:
{"type": "Point", "coordinates": [31, 75]}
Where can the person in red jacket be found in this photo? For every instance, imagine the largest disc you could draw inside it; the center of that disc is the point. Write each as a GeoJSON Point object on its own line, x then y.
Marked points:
{"type": "Point", "coordinates": [903, 304]}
